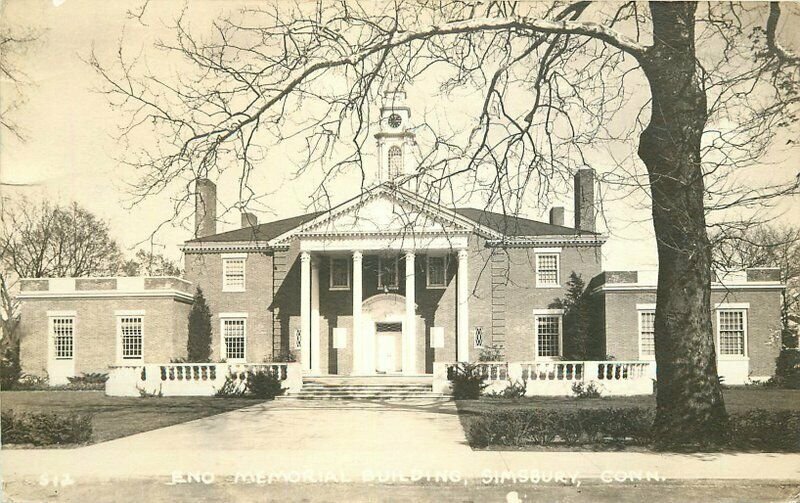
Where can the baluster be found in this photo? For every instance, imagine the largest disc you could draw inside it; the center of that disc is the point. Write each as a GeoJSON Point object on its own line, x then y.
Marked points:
{"type": "Point", "coordinates": [143, 375]}
{"type": "Point", "coordinates": [179, 373]}
{"type": "Point", "coordinates": [163, 373]}
{"type": "Point", "coordinates": [172, 373]}
{"type": "Point", "coordinates": [213, 372]}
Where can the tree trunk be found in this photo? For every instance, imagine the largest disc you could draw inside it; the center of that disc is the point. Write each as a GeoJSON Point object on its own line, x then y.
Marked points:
{"type": "Point", "coordinates": [690, 408]}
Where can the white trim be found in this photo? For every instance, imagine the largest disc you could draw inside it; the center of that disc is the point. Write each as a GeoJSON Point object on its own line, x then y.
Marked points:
{"type": "Point", "coordinates": [732, 305]}
{"type": "Point", "coordinates": [574, 240]}
{"type": "Point", "coordinates": [62, 314]}
{"type": "Point", "coordinates": [396, 285]}
{"type": "Point", "coordinates": [645, 307]}
{"type": "Point", "coordinates": [548, 312]}
{"type": "Point", "coordinates": [232, 315]}
{"type": "Point", "coordinates": [129, 312]}
{"type": "Point", "coordinates": [428, 284]}
{"type": "Point", "coordinates": [547, 250]}
{"type": "Point", "coordinates": [227, 288]}
{"type": "Point", "coordinates": [745, 335]}
{"type": "Point", "coordinates": [234, 256]}
{"type": "Point", "coordinates": [119, 317]}
{"type": "Point", "coordinates": [539, 284]}
{"type": "Point", "coordinates": [100, 294]}
{"type": "Point", "coordinates": [729, 286]}
{"type": "Point", "coordinates": [223, 349]}
{"type": "Point", "coordinates": [348, 261]}
{"type": "Point", "coordinates": [222, 246]}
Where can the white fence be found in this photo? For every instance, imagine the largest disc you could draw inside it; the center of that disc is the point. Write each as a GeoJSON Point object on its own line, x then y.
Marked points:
{"type": "Point", "coordinates": [193, 379]}
{"type": "Point", "coordinates": [556, 378]}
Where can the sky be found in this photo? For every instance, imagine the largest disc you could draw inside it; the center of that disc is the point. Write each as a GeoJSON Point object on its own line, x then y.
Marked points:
{"type": "Point", "coordinates": [70, 151]}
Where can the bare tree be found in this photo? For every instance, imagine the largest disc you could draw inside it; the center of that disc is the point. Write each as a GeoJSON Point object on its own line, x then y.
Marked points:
{"type": "Point", "coordinates": [14, 43]}
{"type": "Point", "coordinates": [149, 264]}
{"type": "Point", "coordinates": [44, 240]}
{"type": "Point", "coordinates": [557, 81]}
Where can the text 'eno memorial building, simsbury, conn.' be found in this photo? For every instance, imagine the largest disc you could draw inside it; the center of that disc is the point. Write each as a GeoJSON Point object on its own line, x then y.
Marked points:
{"type": "Point", "coordinates": [388, 283]}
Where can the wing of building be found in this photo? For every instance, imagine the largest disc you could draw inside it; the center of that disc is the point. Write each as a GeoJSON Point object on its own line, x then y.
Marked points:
{"type": "Point", "coordinates": [386, 283]}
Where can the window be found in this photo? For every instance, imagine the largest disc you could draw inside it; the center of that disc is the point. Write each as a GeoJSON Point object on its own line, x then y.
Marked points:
{"type": "Point", "coordinates": [340, 273]}
{"type": "Point", "coordinates": [63, 333]}
{"type": "Point", "coordinates": [731, 325]}
{"type": "Point", "coordinates": [388, 273]}
{"type": "Point", "coordinates": [395, 162]}
{"type": "Point", "coordinates": [647, 344]}
{"type": "Point", "coordinates": [548, 334]}
{"type": "Point", "coordinates": [233, 339]}
{"type": "Point", "coordinates": [437, 271]}
{"type": "Point", "coordinates": [233, 273]}
{"type": "Point", "coordinates": [547, 269]}
{"type": "Point", "coordinates": [478, 337]}
{"type": "Point", "coordinates": [130, 333]}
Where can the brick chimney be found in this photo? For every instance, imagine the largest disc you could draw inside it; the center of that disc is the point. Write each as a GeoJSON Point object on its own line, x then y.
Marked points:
{"type": "Point", "coordinates": [205, 208]}
{"type": "Point", "coordinates": [557, 215]}
{"type": "Point", "coordinates": [249, 220]}
{"type": "Point", "coordinates": [584, 200]}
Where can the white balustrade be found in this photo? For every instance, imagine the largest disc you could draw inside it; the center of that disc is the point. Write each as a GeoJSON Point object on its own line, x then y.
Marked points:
{"type": "Point", "coordinates": [192, 379]}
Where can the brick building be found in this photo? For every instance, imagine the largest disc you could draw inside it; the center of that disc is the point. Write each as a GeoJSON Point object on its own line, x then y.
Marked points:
{"type": "Point", "coordinates": [386, 283]}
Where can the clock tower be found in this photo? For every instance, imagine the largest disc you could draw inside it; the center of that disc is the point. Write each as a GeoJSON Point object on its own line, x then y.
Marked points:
{"type": "Point", "coordinates": [395, 138]}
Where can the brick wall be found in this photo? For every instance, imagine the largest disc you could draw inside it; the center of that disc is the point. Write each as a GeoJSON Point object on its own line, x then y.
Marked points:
{"type": "Point", "coordinates": [205, 270]}
{"type": "Point", "coordinates": [95, 330]}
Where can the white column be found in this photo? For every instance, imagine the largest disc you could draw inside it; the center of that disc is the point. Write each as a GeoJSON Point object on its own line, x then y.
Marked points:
{"type": "Point", "coordinates": [305, 310]}
{"type": "Point", "coordinates": [358, 356]}
{"type": "Point", "coordinates": [315, 342]}
{"type": "Point", "coordinates": [462, 299]}
{"type": "Point", "coordinates": [410, 325]}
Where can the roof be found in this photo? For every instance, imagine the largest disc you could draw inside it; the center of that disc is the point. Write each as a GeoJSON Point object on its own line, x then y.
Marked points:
{"type": "Point", "coordinates": [507, 225]}
{"type": "Point", "coordinates": [512, 226]}
{"type": "Point", "coordinates": [260, 232]}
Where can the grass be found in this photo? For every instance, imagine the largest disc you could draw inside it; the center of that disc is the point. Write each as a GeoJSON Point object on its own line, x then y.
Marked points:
{"type": "Point", "coordinates": [115, 417]}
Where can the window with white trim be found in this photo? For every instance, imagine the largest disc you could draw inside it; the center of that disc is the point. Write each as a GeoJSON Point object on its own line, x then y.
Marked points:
{"type": "Point", "coordinates": [547, 269]}
{"type": "Point", "coordinates": [233, 274]}
{"type": "Point", "coordinates": [436, 271]}
{"type": "Point", "coordinates": [340, 273]}
{"type": "Point", "coordinates": [395, 162]}
{"type": "Point", "coordinates": [731, 327]}
{"type": "Point", "coordinates": [548, 335]}
{"type": "Point", "coordinates": [234, 333]}
{"type": "Point", "coordinates": [63, 334]}
{"type": "Point", "coordinates": [388, 272]}
{"type": "Point", "coordinates": [647, 341]}
{"type": "Point", "coordinates": [130, 330]}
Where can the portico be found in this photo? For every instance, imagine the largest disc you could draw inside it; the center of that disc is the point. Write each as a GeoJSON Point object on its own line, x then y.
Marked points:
{"type": "Point", "coordinates": [384, 332]}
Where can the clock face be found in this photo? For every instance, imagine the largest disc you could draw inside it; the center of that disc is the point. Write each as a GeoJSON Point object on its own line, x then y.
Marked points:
{"type": "Point", "coordinates": [395, 120]}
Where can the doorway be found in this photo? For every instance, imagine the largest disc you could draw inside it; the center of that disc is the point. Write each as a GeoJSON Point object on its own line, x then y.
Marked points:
{"type": "Point", "coordinates": [388, 350]}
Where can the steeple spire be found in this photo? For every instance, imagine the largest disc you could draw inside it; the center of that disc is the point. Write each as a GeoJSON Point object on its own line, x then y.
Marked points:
{"type": "Point", "coordinates": [395, 138]}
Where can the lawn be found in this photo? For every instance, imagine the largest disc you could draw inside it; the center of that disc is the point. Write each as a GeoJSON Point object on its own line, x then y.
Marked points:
{"type": "Point", "coordinates": [115, 417]}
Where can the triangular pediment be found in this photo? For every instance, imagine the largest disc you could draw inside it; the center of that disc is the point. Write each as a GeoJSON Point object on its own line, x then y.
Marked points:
{"type": "Point", "coordinates": [386, 212]}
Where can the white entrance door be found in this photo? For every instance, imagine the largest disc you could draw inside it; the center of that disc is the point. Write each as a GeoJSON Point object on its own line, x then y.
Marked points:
{"type": "Point", "coordinates": [386, 354]}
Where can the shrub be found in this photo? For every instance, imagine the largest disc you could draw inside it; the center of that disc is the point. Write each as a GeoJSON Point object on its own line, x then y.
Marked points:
{"type": "Point", "coordinates": [513, 390]}
{"type": "Point", "coordinates": [766, 430]}
{"type": "Point", "coordinates": [10, 369]}
{"type": "Point", "coordinates": [787, 369]}
{"type": "Point", "coordinates": [264, 384]}
{"type": "Point", "coordinates": [45, 428]}
{"type": "Point", "coordinates": [87, 381]}
{"type": "Point", "coordinates": [283, 356]}
{"type": "Point", "coordinates": [198, 344]}
{"type": "Point", "coordinates": [230, 388]}
{"type": "Point", "coordinates": [493, 353]}
{"type": "Point", "coordinates": [467, 381]}
{"type": "Point", "coordinates": [30, 382]}
{"type": "Point", "coordinates": [583, 390]}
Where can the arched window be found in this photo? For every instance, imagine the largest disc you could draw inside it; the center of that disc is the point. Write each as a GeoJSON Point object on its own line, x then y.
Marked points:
{"type": "Point", "coordinates": [395, 162]}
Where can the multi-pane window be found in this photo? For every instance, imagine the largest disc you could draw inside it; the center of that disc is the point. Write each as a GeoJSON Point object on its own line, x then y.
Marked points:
{"type": "Point", "coordinates": [731, 327]}
{"type": "Point", "coordinates": [437, 271]}
{"type": "Point", "coordinates": [395, 162]}
{"type": "Point", "coordinates": [233, 274]}
{"type": "Point", "coordinates": [340, 273]}
{"type": "Point", "coordinates": [130, 331]}
{"type": "Point", "coordinates": [233, 337]}
{"type": "Point", "coordinates": [478, 337]}
{"type": "Point", "coordinates": [63, 337]}
{"type": "Point", "coordinates": [647, 344]}
{"type": "Point", "coordinates": [547, 269]}
{"type": "Point", "coordinates": [548, 335]}
{"type": "Point", "coordinates": [387, 272]}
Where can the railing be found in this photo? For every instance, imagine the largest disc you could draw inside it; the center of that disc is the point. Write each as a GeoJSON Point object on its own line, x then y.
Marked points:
{"type": "Point", "coordinates": [192, 379]}
{"type": "Point", "coordinates": [556, 378]}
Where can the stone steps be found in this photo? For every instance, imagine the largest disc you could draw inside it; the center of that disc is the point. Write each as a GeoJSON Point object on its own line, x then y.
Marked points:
{"type": "Point", "coordinates": [379, 388]}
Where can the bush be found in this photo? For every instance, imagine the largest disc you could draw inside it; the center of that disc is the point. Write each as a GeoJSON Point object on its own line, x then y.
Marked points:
{"type": "Point", "coordinates": [493, 353]}
{"type": "Point", "coordinates": [45, 428]}
{"type": "Point", "coordinates": [230, 388]}
{"type": "Point", "coordinates": [283, 356]}
{"type": "Point", "coordinates": [467, 381]}
{"type": "Point", "coordinates": [10, 369]}
{"type": "Point", "coordinates": [30, 382]}
{"type": "Point", "coordinates": [583, 390]}
{"type": "Point", "coordinates": [513, 390]}
{"type": "Point", "coordinates": [787, 369]}
{"type": "Point", "coordinates": [87, 381]}
{"type": "Point", "coordinates": [766, 430]}
{"type": "Point", "coordinates": [264, 384]}
{"type": "Point", "coordinates": [198, 343]}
